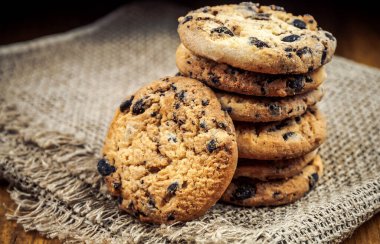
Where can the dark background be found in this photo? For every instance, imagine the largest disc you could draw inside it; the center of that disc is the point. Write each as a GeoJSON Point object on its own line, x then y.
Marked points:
{"type": "Point", "coordinates": [354, 24]}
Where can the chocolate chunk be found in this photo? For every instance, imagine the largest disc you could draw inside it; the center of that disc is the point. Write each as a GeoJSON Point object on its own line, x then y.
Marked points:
{"type": "Point", "coordinates": [287, 135]}
{"type": "Point", "coordinates": [299, 24]}
{"type": "Point", "coordinates": [116, 185]}
{"type": "Point", "coordinates": [119, 199]}
{"type": "Point", "coordinates": [171, 217]}
{"type": "Point", "coordinates": [172, 188]}
{"type": "Point", "coordinates": [296, 84]}
{"type": "Point", "coordinates": [211, 146]}
{"type": "Point", "coordinates": [138, 107]}
{"type": "Point", "coordinates": [313, 179]}
{"type": "Point", "coordinates": [181, 95]}
{"type": "Point", "coordinates": [205, 102]}
{"type": "Point", "coordinates": [227, 109]}
{"type": "Point", "coordinates": [258, 43]}
{"type": "Point", "coordinates": [105, 168]}
{"type": "Point", "coordinates": [124, 107]}
{"type": "Point", "coordinates": [324, 55]}
{"type": "Point", "coordinates": [291, 38]}
{"type": "Point", "coordinates": [187, 19]}
{"type": "Point", "coordinates": [245, 188]}
{"type": "Point", "coordinates": [276, 194]}
{"type": "Point", "coordinates": [222, 30]}
{"type": "Point", "coordinates": [303, 51]}
{"type": "Point", "coordinates": [274, 109]}
{"type": "Point", "coordinates": [153, 170]}
{"type": "Point", "coordinates": [309, 70]}
{"type": "Point", "coordinates": [328, 35]}
{"type": "Point", "coordinates": [203, 125]}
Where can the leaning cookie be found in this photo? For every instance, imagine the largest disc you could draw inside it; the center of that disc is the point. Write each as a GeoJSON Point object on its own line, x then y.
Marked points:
{"type": "Point", "coordinates": [263, 39]}
{"type": "Point", "coordinates": [259, 109]}
{"type": "Point", "coordinates": [273, 169]}
{"type": "Point", "coordinates": [246, 191]}
{"type": "Point", "coordinates": [290, 138]}
{"type": "Point", "coordinates": [170, 151]}
{"type": "Point", "coordinates": [227, 78]}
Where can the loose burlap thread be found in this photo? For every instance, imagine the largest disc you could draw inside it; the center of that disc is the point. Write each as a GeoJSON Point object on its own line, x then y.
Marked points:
{"type": "Point", "coordinates": [58, 94]}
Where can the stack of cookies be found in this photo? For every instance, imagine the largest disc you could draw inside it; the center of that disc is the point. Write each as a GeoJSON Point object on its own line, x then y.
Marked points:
{"type": "Point", "coordinates": [172, 148]}
{"type": "Point", "coordinates": [265, 67]}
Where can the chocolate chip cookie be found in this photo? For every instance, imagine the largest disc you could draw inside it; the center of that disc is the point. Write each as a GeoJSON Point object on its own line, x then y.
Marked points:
{"type": "Point", "coordinates": [264, 39]}
{"type": "Point", "coordinates": [227, 78]}
{"type": "Point", "coordinates": [170, 151]}
{"type": "Point", "coordinates": [247, 191]}
{"type": "Point", "coordinates": [289, 138]}
{"type": "Point", "coordinates": [273, 169]}
{"type": "Point", "coordinates": [258, 109]}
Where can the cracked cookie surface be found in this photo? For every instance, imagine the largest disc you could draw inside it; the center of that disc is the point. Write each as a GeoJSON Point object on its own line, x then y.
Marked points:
{"type": "Point", "coordinates": [289, 138]}
{"type": "Point", "coordinates": [227, 78]}
{"type": "Point", "coordinates": [258, 109]}
{"type": "Point", "coordinates": [247, 191]}
{"type": "Point", "coordinates": [264, 39]}
{"type": "Point", "coordinates": [170, 151]}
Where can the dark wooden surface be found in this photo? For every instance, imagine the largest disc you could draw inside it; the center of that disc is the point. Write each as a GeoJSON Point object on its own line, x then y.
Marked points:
{"type": "Point", "coordinates": [355, 26]}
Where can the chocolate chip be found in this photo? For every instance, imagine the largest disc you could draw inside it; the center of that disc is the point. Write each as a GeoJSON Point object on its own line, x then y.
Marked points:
{"type": "Point", "coordinates": [261, 16]}
{"type": "Point", "coordinates": [328, 35]}
{"type": "Point", "coordinates": [177, 105]}
{"type": "Point", "coordinates": [287, 135]}
{"type": "Point", "coordinates": [203, 125]}
{"type": "Point", "coordinates": [151, 202]}
{"type": "Point", "coordinates": [303, 51]}
{"type": "Point", "coordinates": [291, 38]}
{"type": "Point", "coordinates": [187, 19]}
{"type": "Point", "coordinates": [274, 109]}
{"type": "Point", "coordinates": [104, 168]}
{"type": "Point", "coordinates": [288, 49]}
{"type": "Point", "coordinates": [276, 194]}
{"type": "Point", "coordinates": [116, 185]}
{"type": "Point", "coordinates": [138, 107]}
{"type": "Point", "coordinates": [178, 74]}
{"type": "Point", "coordinates": [227, 109]}
{"type": "Point", "coordinates": [153, 170]}
{"type": "Point", "coordinates": [172, 86]}
{"type": "Point", "coordinates": [222, 30]}
{"type": "Point", "coordinates": [172, 188]}
{"type": "Point", "coordinates": [181, 95]}
{"type": "Point", "coordinates": [245, 188]}
{"type": "Point", "coordinates": [299, 24]}
{"type": "Point", "coordinates": [296, 84]}
{"type": "Point", "coordinates": [205, 102]}
{"type": "Point", "coordinates": [214, 79]}
{"type": "Point", "coordinates": [313, 179]}
{"type": "Point", "coordinates": [297, 119]}
{"type": "Point", "coordinates": [258, 43]}
{"type": "Point", "coordinates": [171, 217]}
{"type": "Point", "coordinates": [221, 125]}
{"type": "Point", "coordinates": [154, 114]}
{"type": "Point", "coordinates": [279, 126]}
{"type": "Point", "coordinates": [124, 107]}
{"type": "Point", "coordinates": [211, 146]}
{"type": "Point", "coordinates": [309, 70]}
{"type": "Point", "coordinates": [172, 138]}
{"type": "Point", "coordinates": [324, 55]}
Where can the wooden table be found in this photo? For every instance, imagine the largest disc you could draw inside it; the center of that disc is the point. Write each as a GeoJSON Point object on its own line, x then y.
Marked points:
{"type": "Point", "coordinates": [358, 39]}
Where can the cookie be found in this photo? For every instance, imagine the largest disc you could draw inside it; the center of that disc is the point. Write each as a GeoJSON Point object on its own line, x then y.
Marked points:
{"type": "Point", "coordinates": [246, 191]}
{"type": "Point", "coordinates": [273, 169]}
{"type": "Point", "coordinates": [228, 78]}
{"type": "Point", "coordinates": [263, 39]}
{"type": "Point", "coordinates": [170, 151]}
{"type": "Point", "coordinates": [258, 109]}
{"type": "Point", "coordinates": [289, 138]}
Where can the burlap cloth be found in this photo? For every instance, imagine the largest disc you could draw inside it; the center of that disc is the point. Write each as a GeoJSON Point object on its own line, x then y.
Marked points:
{"type": "Point", "coordinates": [58, 95]}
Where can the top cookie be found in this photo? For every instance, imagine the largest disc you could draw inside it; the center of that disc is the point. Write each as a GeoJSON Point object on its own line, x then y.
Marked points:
{"type": "Point", "coordinates": [263, 39]}
{"type": "Point", "coordinates": [170, 152]}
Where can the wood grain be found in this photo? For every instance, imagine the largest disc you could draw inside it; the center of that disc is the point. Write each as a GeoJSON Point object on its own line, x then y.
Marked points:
{"type": "Point", "coordinates": [357, 40]}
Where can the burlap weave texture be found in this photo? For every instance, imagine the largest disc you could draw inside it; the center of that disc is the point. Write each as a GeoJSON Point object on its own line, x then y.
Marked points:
{"type": "Point", "coordinates": [58, 95]}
